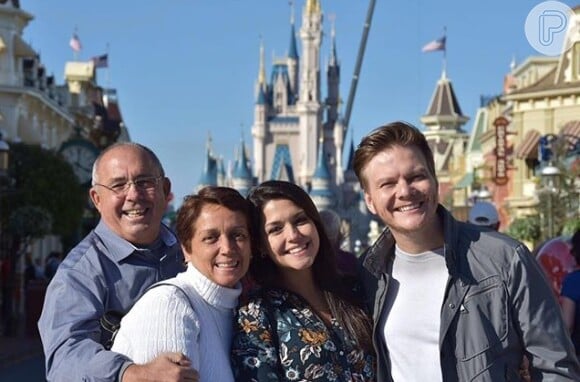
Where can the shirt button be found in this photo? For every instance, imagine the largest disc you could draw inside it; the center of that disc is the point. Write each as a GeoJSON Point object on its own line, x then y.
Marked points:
{"type": "Point", "coordinates": [341, 352]}
{"type": "Point", "coordinates": [451, 305]}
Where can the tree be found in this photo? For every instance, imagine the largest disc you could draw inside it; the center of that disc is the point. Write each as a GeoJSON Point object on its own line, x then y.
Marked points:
{"type": "Point", "coordinates": [43, 179]}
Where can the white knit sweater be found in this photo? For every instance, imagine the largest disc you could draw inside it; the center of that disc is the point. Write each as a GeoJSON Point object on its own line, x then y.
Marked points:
{"type": "Point", "coordinates": [164, 321]}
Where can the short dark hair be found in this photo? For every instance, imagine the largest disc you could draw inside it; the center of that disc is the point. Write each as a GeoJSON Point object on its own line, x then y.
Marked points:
{"type": "Point", "coordinates": [192, 205]}
{"type": "Point", "coordinates": [397, 133]}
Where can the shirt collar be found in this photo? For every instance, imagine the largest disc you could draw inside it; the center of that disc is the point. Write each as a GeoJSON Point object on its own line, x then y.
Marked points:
{"type": "Point", "coordinates": [119, 248]}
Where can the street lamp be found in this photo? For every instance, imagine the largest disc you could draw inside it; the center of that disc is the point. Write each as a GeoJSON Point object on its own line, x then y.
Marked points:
{"type": "Point", "coordinates": [551, 181]}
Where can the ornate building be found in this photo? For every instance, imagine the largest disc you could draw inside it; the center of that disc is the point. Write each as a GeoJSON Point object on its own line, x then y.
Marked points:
{"type": "Point", "coordinates": [35, 109]}
{"type": "Point", "coordinates": [298, 135]}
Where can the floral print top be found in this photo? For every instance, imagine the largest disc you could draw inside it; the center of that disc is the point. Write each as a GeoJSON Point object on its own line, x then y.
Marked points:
{"type": "Point", "coordinates": [298, 346]}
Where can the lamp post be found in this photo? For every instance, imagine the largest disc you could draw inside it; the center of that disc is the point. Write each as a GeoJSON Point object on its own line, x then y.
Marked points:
{"type": "Point", "coordinates": [551, 182]}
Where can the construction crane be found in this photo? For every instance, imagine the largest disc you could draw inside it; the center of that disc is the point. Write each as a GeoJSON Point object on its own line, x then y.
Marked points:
{"type": "Point", "coordinates": [358, 65]}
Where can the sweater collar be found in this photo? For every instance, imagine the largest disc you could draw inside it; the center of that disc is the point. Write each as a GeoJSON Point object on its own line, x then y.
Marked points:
{"type": "Point", "coordinates": [214, 294]}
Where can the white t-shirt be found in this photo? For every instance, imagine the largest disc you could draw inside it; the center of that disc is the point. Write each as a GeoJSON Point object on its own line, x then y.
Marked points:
{"type": "Point", "coordinates": [412, 315]}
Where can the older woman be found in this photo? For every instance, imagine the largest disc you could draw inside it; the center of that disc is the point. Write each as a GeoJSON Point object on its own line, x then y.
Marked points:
{"type": "Point", "coordinates": [192, 313]}
{"type": "Point", "coordinates": [305, 323]}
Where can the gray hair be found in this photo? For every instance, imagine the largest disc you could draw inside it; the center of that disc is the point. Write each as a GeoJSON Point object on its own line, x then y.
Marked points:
{"type": "Point", "coordinates": [148, 151]}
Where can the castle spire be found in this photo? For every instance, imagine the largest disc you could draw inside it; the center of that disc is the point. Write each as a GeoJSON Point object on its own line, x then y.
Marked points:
{"type": "Point", "coordinates": [262, 70]}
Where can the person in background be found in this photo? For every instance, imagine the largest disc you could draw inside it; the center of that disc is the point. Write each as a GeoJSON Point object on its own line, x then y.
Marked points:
{"type": "Point", "coordinates": [110, 269]}
{"type": "Point", "coordinates": [484, 214]}
{"type": "Point", "coordinates": [471, 303]}
{"type": "Point", "coordinates": [192, 313]}
{"type": "Point", "coordinates": [53, 260]}
{"type": "Point", "coordinates": [345, 261]}
{"type": "Point", "coordinates": [570, 301]}
{"type": "Point", "coordinates": [306, 322]}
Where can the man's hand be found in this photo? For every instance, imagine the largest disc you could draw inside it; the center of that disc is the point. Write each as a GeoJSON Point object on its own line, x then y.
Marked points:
{"type": "Point", "coordinates": [167, 367]}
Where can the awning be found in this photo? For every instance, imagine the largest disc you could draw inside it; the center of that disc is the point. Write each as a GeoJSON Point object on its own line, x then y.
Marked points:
{"type": "Point", "coordinates": [21, 48]}
{"type": "Point", "coordinates": [528, 147]}
{"type": "Point", "coordinates": [465, 182]}
{"type": "Point", "coordinates": [571, 133]}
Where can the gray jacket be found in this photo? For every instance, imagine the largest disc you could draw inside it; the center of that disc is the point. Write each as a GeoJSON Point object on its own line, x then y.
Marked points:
{"type": "Point", "coordinates": [497, 307]}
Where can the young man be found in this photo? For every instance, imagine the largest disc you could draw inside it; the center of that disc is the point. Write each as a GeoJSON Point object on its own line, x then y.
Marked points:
{"type": "Point", "coordinates": [110, 269]}
{"type": "Point", "coordinates": [450, 302]}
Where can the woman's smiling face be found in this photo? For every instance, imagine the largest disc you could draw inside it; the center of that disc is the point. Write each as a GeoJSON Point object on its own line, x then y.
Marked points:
{"type": "Point", "coordinates": [290, 235]}
{"type": "Point", "coordinates": [220, 246]}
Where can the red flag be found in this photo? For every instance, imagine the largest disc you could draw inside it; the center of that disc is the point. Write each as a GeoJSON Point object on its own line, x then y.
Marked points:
{"type": "Point", "coordinates": [75, 43]}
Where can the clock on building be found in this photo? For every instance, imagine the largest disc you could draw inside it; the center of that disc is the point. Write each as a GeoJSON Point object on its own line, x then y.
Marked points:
{"type": "Point", "coordinates": [81, 155]}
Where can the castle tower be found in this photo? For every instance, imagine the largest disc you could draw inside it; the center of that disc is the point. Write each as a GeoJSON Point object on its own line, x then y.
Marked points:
{"type": "Point", "coordinates": [321, 192]}
{"type": "Point", "coordinates": [308, 107]}
{"type": "Point", "coordinates": [260, 114]}
{"type": "Point", "coordinates": [242, 179]}
{"type": "Point", "coordinates": [292, 59]}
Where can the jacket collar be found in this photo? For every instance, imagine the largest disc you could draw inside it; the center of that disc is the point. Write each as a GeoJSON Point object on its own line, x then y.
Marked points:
{"type": "Point", "coordinates": [382, 251]}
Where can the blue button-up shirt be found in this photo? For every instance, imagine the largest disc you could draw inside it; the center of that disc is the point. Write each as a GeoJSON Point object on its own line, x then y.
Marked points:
{"type": "Point", "coordinates": [103, 272]}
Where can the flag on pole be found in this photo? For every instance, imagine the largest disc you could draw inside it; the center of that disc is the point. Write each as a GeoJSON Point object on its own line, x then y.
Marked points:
{"type": "Point", "coordinates": [435, 45]}
{"type": "Point", "coordinates": [101, 61]}
{"type": "Point", "coordinates": [75, 43]}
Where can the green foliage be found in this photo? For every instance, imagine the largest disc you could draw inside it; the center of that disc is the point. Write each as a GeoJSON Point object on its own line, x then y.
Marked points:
{"type": "Point", "coordinates": [44, 179]}
{"type": "Point", "coordinates": [571, 226]}
{"type": "Point", "coordinates": [30, 222]}
{"type": "Point", "coordinates": [525, 228]}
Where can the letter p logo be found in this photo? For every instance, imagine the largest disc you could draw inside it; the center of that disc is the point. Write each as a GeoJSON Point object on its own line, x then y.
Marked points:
{"type": "Point", "coordinates": [551, 22]}
{"type": "Point", "coordinates": [546, 27]}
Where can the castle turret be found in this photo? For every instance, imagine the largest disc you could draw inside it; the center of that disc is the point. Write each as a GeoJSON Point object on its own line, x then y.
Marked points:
{"type": "Point", "coordinates": [321, 191]}
{"type": "Point", "coordinates": [209, 175]}
{"type": "Point", "coordinates": [242, 179]}
{"type": "Point", "coordinates": [292, 59]}
{"type": "Point", "coordinates": [309, 107]}
{"type": "Point", "coordinates": [260, 112]}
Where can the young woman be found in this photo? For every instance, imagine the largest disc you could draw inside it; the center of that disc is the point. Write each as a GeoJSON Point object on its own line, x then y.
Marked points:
{"type": "Point", "coordinates": [305, 322]}
{"type": "Point", "coordinates": [192, 313]}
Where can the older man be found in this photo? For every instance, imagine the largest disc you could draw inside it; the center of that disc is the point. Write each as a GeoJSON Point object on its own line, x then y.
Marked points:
{"type": "Point", "coordinates": [110, 269]}
{"type": "Point", "coordinates": [450, 302]}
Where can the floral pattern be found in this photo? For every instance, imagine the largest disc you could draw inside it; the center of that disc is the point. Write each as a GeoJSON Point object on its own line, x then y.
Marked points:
{"type": "Point", "coordinates": [278, 337]}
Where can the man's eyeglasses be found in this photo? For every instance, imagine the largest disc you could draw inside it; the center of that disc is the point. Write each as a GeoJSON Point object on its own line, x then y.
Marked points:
{"type": "Point", "coordinates": [143, 184]}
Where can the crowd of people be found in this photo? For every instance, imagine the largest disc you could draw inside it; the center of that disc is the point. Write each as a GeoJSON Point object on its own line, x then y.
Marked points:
{"type": "Point", "coordinates": [258, 288]}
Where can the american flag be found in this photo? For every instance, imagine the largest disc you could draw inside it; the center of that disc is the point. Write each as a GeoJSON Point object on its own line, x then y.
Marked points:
{"type": "Point", "coordinates": [435, 45]}
{"type": "Point", "coordinates": [75, 43]}
{"type": "Point", "coordinates": [101, 61]}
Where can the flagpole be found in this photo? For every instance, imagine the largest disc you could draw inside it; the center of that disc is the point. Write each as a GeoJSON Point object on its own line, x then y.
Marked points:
{"type": "Point", "coordinates": [445, 51]}
{"type": "Point", "coordinates": [107, 68]}
{"type": "Point", "coordinates": [75, 52]}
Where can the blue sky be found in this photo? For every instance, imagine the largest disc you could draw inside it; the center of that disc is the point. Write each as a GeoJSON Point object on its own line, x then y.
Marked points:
{"type": "Point", "coordinates": [183, 68]}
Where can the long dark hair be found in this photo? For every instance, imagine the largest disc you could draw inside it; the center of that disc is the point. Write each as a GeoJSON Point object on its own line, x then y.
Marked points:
{"type": "Point", "coordinates": [344, 304]}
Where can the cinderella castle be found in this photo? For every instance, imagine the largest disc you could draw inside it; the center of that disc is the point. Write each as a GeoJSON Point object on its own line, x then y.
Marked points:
{"type": "Point", "coordinates": [298, 134]}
